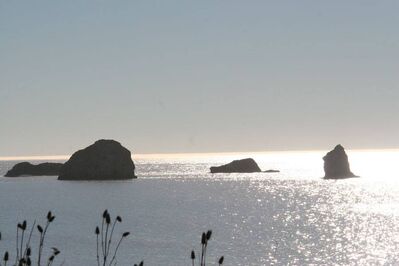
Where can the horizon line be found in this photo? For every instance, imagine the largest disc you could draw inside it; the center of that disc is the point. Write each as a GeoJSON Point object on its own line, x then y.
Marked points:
{"type": "Point", "coordinates": [182, 154]}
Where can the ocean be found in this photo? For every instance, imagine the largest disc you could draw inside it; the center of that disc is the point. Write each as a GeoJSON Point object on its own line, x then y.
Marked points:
{"type": "Point", "coordinates": [289, 218]}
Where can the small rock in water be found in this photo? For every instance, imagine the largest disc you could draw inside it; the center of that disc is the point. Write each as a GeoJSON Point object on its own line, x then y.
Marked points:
{"type": "Point", "coordinates": [272, 171]}
{"type": "Point", "coordinates": [238, 166]}
{"type": "Point", "coordinates": [336, 164]}
{"type": "Point", "coordinates": [28, 169]}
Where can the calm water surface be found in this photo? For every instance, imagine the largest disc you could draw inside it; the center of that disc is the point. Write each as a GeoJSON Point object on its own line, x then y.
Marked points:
{"type": "Point", "coordinates": [290, 218]}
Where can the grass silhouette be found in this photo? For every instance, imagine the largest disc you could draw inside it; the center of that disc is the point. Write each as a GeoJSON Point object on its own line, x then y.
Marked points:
{"type": "Point", "coordinates": [205, 238]}
{"type": "Point", "coordinates": [23, 253]}
{"type": "Point", "coordinates": [106, 246]}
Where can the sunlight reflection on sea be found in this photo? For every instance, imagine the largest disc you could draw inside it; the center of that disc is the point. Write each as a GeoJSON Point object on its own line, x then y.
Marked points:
{"type": "Point", "coordinates": [293, 217]}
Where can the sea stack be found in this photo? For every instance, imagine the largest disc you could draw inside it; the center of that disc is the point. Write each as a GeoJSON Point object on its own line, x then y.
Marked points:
{"type": "Point", "coordinates": [238, 166]}
{"type": "Point", "coordinates": [28, 169]}
{"type": "Point", "coordinates": [103, 160]}
{"type": "Point", "coordinates": [336, 164]}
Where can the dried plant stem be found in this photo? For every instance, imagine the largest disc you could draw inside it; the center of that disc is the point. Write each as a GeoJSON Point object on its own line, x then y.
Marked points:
{"type": "Point", "coordinates": [105, 244]}
{"type": "Point", "coordinates": [29, 238]}
{"type": "Point", "coordinates": [116, 250]}
{"type": "Point", "coordinates": [110, 238]}
{"type": "Point", "coordinates": [98, 257]}
{"type": "Point", "coordinates": [202, 255]}
{"type": "Point", "coordinates": [42, 235]}
{"type": "Point", "coordinates": [205, 249]}
{"type": "Point", "coordinates": [21, 244]}
{"type": "Point", "coordinates": [102, 237]}
{"type": "Point", "coordinates": [16, 258]}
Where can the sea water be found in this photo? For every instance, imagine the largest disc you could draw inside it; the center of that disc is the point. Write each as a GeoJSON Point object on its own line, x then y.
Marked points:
{"type": "Point", "coordinates": [289, 218]}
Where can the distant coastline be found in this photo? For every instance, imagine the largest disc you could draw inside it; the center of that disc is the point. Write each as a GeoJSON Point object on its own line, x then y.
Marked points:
{"type": "Point", "coordinates": [187, 155]}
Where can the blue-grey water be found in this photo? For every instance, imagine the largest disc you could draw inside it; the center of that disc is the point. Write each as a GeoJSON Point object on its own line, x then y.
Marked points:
{"type": "Point", "coordinates": [289, 218]}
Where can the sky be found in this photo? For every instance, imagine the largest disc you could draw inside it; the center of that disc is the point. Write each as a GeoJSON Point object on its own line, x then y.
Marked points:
{"type": "Point", "coordinates": [198, 76]}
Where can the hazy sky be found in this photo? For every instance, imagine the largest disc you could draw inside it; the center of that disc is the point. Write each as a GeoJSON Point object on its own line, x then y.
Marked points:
{"type": "Point", "coordinates": [198, 76]}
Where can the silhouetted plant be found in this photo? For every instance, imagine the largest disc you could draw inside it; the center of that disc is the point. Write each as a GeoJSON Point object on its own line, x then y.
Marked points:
{"type": "Point", "coordinates": [5, 258]}
{"type": "Point", "coordinates": [23, 248]}
{"type": "Point", "coordinates": [192, 257]}
{"type": "Point", "coordinates": [205, 238]}
{"type": "Point", "coordinates": [23, 251]}
{"type": "Point", "coordinates": [106, 236]}
{"type": "Point", "coordinates": [50, 219]}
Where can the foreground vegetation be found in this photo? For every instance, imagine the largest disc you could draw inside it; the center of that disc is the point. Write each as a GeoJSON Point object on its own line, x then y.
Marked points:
{"type": "Point", "coordinates": [106, 247]}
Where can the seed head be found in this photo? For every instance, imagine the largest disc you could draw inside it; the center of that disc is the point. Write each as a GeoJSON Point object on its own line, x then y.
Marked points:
{"type": "Point", "coordinates": [50, 217]}
{"type": "Point", "coordinates": [125, 234]}
{"type": "Point", "coordinates": [203, 239]}
{"type": "Point", "coordinates": [192, 255]}
{"type": "Point", "coordinates": [24, 225]}
{"type": "Point", "coordinates": [208, 234]}
{"type": "Point", "coordinates": [221, 260]}
{"type": "Point", "coordinates": [119, 219]}
{"type": "Point", "coordinates": [97, 230]}
{"type": "Point", "coordinates": [55, 251]}
{"type": "Point", "coordinates": [5, 258]}
{"type": "Point", "coordinates": [40, 229]}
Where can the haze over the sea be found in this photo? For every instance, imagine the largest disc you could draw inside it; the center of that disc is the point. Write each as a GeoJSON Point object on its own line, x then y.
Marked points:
{"type": "Point", "coordinates": [198, 76]}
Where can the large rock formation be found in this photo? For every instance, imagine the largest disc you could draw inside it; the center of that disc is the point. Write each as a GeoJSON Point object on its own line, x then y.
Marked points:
{"type": "Point", "coordinates": [238, 166]}
{"type": "Point", "coordinates": [104, 160]}
{"type": "Point", "coordinates": [28, 169]}
{"type": "Point", "coordinates": [336, 164]}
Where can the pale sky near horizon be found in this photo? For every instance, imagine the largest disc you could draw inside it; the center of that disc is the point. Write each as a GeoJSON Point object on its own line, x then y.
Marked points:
{"type": "Point", "coordinates": [198, 76]}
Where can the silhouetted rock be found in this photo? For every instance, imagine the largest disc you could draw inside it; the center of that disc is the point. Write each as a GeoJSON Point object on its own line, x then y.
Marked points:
{"type": "Point", "coordinates": [336, 164]}
{"type": "Point", "coordinates": [238, 166]}
{"type": "Point", "coordinates": [28, 169]}
{"type": "Point", "coordinates": [272, 171]}
{"type": "Point", "coordinates": [103, 160]}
